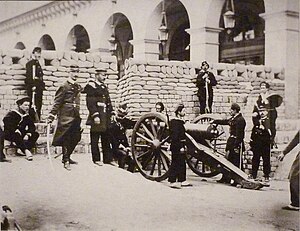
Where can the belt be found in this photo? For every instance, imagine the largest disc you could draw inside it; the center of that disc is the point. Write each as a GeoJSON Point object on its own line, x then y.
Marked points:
{"type": "Point", "coordinates": [73, 104]}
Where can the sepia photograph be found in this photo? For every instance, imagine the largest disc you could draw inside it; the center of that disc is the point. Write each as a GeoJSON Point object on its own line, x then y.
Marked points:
{"type": "Point", "coordinates": [149, 115]}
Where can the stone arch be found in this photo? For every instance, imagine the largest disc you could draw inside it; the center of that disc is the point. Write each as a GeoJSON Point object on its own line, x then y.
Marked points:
{"type": "Point", "coordinates": [123, 34]}
{"type": "Point", "coordinates": [78, 39]}
{"type": "Point", "coordinates": [20, 46]}
{"type": "Point", "coordinates": [46, 42]}
{"type": "Point", "coordinates": [177, 22]}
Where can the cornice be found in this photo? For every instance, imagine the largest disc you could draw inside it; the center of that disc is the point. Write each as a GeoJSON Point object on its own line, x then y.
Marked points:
{"type": "Point", "coordinates": [44, 13]}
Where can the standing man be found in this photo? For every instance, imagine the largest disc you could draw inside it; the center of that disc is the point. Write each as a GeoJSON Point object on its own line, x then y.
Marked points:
{"type": "Point", "coordinates": [66, 107]}
{"type": "Point", "coordinates": [34, 84]}
{"type": "Point", "coordinates": [177, 174]}
{"type": "Point", "coordinates": [205, 82]}
{"type": "Point", "coordinates": [260, 145]}
{"type": "Point", "coordinates": [266, 103]}
{"type": "Point", "coordinates": [235, 143]}
{"type": "Point", "coordinates": [100, 108]}
{"type": "Point", "coordinates": [19, 127]}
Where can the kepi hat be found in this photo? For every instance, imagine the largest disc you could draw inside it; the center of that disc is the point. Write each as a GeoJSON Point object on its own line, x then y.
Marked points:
{"type": "Point", "coordinates": [23, 99]}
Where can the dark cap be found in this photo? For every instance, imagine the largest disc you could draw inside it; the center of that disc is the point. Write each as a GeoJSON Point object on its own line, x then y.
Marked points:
{"type": "Point", "coordinates": [37, 49]}
{"type": "Point", "coordinates": [204, 62]}
{"type": "Point", "coordinates": [179, 108]}
{"type": "Point", "coordinates": [22, 100]}
{"type": "Point", "coordinates": [235, 107]}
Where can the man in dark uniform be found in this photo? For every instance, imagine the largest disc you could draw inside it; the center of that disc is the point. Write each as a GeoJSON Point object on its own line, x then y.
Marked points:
{"type": "Point", "coordinates": [66, 107]}
{"type": "Point", "coordinates": [177, 173]}
{"type": "Point", "coordinates": [100, 108]}
{"type": "Point", "coordinates": [205, 81]}
{"type": "Point", "coordinates": [260, 145]}
{"type": "Point", "coordinates": [19, 127]}
{"type": "Point", "coordinates": [2, 155]}
{"type": "Point", "coordinates": [264, 102]}
{"type": "Point", "coordinates": [34, 84]}
{"type": "Point", "coordinates": [235, 143]}
{"type": "Point", "coordinates": [118, 138]}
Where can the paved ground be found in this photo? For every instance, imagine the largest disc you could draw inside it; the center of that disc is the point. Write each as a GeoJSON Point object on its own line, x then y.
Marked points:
{"type": "Point", "coordinates": [107, 198]}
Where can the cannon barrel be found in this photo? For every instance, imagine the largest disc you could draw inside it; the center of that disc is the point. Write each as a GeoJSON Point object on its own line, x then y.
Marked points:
{"type": "Point", "coordinates": [201, 132]}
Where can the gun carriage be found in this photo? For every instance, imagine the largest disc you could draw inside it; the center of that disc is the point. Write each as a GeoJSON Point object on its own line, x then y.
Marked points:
{"type": "Point", "coordinates": [205, 149]}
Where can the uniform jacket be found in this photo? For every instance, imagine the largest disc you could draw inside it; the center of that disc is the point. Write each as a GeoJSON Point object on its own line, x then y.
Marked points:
{"type": "Point", "coordinates": [260, 138]}
{"type": "Point", "coordinates": [200, 83]}
{"type": "Point", "coordinates": [99, 105]}
{"type": "Point", "coordinates": [66, 107]}
{"type": "Point", "coordinates": [117, 133]}
{"type": "Point", "coordinates": [177, 134]}
{"type": "Point", "coordinates": [237, 126]}
{"type": "Point", "coordinates": [16, 122]}
{"type": "Point", "coordinates": [38, 80]}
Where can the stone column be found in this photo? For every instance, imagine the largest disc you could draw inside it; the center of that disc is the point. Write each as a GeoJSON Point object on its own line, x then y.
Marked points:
{"type": "Point", "coordinates": [204, 44]}
{"type": "Point", "coordinates": [145, 49]}
{"type": "Point", "coordinates": [282, 50]}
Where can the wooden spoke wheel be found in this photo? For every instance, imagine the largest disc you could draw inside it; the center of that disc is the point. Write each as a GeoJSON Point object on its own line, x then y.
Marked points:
{"type": "Point", "coordinates": [150, 146]}
{"type": "Point", "coordinates": [199, 162]}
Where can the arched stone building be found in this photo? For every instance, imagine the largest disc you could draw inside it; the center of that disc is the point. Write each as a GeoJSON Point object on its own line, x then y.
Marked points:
{"type": "Point", "coordinates": [266, 32]}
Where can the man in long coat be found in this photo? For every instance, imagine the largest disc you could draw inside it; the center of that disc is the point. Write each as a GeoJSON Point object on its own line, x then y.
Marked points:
{"type": "Point", "coordinates": [34, 84]}
{"type": "Point", "coordinates": [100, 108]}
{"type": "Point", "coordinates": [19, 127]}
{"type": "Point", "coordinates": [205, 82]}
{"type": "Point", "coordinates": [235, 143]}
{"type": "Point", "coordinates": [66, 107]}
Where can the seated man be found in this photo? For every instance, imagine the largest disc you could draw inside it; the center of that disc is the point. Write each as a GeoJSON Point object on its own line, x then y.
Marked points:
{"type": "Point", "coordinates": [119, 141]}
{"type": "Point", "coordinates": [19, 127]}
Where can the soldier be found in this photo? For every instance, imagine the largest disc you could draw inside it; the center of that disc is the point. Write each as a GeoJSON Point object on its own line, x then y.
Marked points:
{"type": "Point", "coordinates": [260, 145]}
{"type": "Point", "coordinates": [20, 129]}
{"type": "Point", "coordinates": [2, 155]}
{"type": "Point", "coordinates": [118, 138]}
{"type": "Point", "coordinates": [34, 84]}
{"type": "Point", "coordinates": [178, 140]}
{"type": "Point", "coordinates": [205, 81]}
{"type": "Point", "coordinates": [265, 102]}
{"type": "Point", "coordinates": [66, 107]}
{"type": "Point", "coordinates": [100, 108]}
{"type": "Point", "coordinates": [235, 143]}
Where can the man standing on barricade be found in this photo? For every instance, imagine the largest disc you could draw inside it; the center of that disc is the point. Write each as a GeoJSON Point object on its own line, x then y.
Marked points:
{"type": "Point", "coordinates": [34, 84]}
{"type": "Point", "coordinates": [19, 127]}
{"type": "Point", "coordinates": [66, 107]}
{"type": "Point", "coordinates": [205, 81]}
{"type": "Point", "coordinates": [235, 143]}
{"type": "Point", "coordinates": [100, 108]}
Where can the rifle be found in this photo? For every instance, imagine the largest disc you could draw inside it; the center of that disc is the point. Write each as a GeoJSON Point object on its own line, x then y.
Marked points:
{"type": "Point", "coordinates": [207, 110]}
{"type": "Point", "coordinates": [36, 116]}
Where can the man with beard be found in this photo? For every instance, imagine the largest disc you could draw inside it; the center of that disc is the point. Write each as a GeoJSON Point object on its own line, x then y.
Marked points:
{"type": "Point", "coordinates": [20, 129]}
{"type": "Point", "coordinates": [66, 107]}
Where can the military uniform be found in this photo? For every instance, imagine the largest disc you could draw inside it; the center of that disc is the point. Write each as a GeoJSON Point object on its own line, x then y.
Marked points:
{"type": "Point", "coordinates": [99, 105]}
{"type": "Point", "coordinates": [201, 84]}
{"type": "Point", "coordinates": [235, 143]}
{"type": "Point", "coordinates": [34, 78]}
{"type": "Point", "coordinates": [17, 126]}
{"type": "Point", "coordinates": [260, 145]}
{"type": "Point", "coordinates": [66, 107]}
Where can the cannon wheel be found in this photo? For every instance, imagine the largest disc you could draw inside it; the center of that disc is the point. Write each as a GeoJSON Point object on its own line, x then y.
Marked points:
{"type": "Point", "coordinates": [150, 146]}
{"type": "Point", "coordinates": [196, 160]}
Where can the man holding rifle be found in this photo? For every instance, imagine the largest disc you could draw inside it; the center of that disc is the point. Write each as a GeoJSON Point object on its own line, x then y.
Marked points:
{"type": "Point", "coordinates": [34, 84]}
{"type": "Point", "coordinates": [205, 81]}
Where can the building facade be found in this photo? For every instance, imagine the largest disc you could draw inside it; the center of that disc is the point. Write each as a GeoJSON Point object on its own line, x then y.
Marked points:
{"type": "Point", "coordinates": [266, 32]}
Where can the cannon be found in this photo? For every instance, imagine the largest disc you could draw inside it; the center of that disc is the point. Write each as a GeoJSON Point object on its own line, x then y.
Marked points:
{"type": "Point", "coordinates": [205, 152]}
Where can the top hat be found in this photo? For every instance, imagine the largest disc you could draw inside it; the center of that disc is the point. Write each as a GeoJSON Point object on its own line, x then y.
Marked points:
{"type": "Point", "coordinates": [23, 99]}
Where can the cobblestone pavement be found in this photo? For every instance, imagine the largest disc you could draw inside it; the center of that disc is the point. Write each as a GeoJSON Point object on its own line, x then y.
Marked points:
{"type": "Point", "coordinates": [90, 197]}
